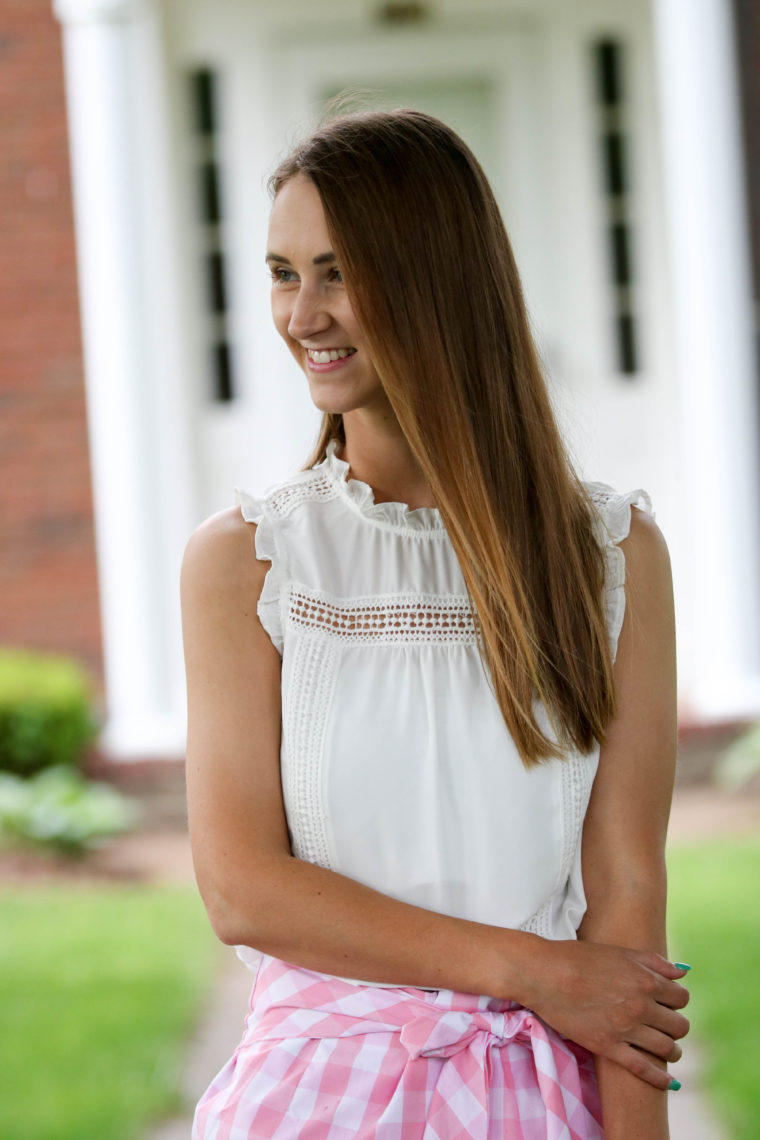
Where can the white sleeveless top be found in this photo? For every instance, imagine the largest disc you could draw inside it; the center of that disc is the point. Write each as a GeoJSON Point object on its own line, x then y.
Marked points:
{"type": "Point", "coordinates": [397, 767]}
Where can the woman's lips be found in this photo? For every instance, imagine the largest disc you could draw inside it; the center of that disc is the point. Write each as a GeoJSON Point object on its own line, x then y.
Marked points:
{"type": "Point", "coordinates": [317, 362]}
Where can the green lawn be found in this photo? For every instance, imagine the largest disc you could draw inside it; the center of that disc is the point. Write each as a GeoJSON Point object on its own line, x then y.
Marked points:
{"type": "Point", "coordinates": [99, 988]}
{"type": "Point", "coordinates": [715, 926]}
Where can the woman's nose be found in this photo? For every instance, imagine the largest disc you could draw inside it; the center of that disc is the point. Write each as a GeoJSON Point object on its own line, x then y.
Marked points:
{"type": "Point", "coordinates": [309, 314]}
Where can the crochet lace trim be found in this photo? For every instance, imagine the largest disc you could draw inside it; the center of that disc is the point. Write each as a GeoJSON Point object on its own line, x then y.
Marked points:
{"type": "Point", "coordinates": [383, 619]}
{"type": "Point", "coordinates": [313, 486]}
{"type": "Point", "coordinates": [313, 672]}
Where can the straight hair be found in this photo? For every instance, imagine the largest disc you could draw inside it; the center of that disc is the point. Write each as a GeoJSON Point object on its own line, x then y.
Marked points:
{"type": "Point", "coordinates": [432, 280]}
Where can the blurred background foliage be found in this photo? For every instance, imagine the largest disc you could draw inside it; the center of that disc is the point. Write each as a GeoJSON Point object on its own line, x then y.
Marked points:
{"type": "Point", "coordinates": [48, 726]}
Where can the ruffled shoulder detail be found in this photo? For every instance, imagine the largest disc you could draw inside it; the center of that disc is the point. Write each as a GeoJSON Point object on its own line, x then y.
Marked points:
{"type": "Point", "coordinates": [268, 607]}
{"type": "Point", "coordinates": [613, 516]}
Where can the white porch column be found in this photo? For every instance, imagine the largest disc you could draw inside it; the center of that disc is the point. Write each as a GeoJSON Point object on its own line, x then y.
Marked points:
{"type": "Point", "coordinates": [710, 283]}
{"type": "Point", "coordinates": [102, 68]}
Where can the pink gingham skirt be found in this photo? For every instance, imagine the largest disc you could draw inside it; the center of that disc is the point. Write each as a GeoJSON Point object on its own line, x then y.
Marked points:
{"type": "Point", "coordinates": [322, 1059]}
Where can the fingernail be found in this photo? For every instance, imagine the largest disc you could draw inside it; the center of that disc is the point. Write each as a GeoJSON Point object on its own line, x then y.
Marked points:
{"type": "Point", "coordinates": [674, 1085]}
{"type": "Point", "coordinates": [681, 966]}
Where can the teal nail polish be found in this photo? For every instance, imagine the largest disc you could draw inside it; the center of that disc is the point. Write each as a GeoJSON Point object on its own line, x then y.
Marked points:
{"type": "Point", "coordinates": [674, 1085]}
{"type": "Point", "coordinates": [681, 966]}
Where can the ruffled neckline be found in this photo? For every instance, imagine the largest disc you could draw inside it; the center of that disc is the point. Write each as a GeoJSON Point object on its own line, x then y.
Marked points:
{"type": "Point", "coordinates": [362, 498]}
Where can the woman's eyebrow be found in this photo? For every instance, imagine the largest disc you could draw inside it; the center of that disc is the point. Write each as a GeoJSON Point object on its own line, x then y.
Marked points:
{"type": "Point", "coordinates": [320, 259]}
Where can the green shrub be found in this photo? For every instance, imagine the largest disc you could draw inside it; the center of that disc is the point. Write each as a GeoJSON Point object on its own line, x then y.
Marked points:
{"type": "Point", "coordinates": [46, 716]}
{"type": "Point", "coordinates": [60, 810]}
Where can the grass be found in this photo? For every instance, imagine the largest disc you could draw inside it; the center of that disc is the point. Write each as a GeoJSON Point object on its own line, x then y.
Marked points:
{"type": "Point", "coordinates": [99, 988]}
{"type": "Point", "coordinates": [715, 926]}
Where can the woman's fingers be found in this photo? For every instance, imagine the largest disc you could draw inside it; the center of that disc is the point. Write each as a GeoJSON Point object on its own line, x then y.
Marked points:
{"type": "Point", "coordinates": [660, 965]}
{"type": "Point", "coordinates": [667, 1021]}
{"type": "Point", "coordinates": [656, 1043]}
{"type": "Point", "coordinates": [671, 994]}
{"type": "Point", "coordinates": [641, 1065]}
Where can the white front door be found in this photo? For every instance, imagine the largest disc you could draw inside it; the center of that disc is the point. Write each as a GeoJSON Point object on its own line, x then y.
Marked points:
{"type": "Point", "coordinates": [253, 418]}
{"type": "Point", "coordinates": [553, 105]}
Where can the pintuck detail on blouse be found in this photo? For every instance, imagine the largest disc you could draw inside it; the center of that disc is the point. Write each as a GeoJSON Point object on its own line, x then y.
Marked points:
{"type": "Point", "coordinates": [397, 767]}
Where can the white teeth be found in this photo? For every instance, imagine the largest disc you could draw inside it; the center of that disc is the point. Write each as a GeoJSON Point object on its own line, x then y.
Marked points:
{"type": "Point", "coordinates": [325, 356]}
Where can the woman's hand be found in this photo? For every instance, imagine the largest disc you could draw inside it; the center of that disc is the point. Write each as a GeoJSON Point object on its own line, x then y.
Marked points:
{"type": "Point", "coordinates": [618, 1003]}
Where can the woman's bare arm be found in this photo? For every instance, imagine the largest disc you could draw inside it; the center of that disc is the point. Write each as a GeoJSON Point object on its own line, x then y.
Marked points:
{"type": "Point", "coordinates": [258, 894]}
{"type": "Point", "coordinates": [624, 833]}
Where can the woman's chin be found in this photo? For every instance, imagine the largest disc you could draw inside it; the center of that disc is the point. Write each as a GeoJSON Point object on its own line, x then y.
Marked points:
{"type": "Point", "coordinates": [333, 403]}
{"type": "Point", "coordinates": [331, 407]}
{"type": "Point", "coordinates": [339, 399]}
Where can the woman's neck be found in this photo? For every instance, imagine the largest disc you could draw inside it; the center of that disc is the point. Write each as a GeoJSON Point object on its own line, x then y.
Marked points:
{"type": "Point", "coordinates": [379, 454]}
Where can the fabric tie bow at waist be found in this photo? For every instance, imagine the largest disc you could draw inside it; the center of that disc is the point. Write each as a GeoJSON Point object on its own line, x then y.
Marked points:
{"type": "Point", "coordinates": [460, 1055]}
{"type": "Point", "coordinates": [445, 1034]}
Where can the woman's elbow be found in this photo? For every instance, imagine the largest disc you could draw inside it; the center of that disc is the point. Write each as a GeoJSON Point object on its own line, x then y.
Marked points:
{"type": "Point", "coordinates": [238, 916]}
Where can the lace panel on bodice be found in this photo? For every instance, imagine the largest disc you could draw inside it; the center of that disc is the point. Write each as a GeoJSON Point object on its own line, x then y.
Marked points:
{"type": "Point", "coordinates": [384, 618]}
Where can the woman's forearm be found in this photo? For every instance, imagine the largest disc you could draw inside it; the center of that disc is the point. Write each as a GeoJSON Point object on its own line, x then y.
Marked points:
{"type": "Point", "coordinates": [631, 1109]}
{"type": "Point", "coordinates": [626, 822]}
{"type": "Point", "coordinates": [324, 921]}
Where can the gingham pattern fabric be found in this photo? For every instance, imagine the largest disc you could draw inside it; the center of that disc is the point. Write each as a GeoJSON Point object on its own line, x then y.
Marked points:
{"type": "Point", "coordinates": [322, 1059]}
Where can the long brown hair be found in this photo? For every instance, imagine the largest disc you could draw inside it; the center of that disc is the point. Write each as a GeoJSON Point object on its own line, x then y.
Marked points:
{"type": "Point", "coordinates": [432, 280]}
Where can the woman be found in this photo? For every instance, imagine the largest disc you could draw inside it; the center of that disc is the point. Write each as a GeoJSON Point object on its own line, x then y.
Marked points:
{"type": "Point", "coordinates": [401, 694]}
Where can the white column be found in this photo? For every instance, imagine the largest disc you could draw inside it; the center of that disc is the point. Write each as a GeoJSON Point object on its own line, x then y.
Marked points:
{"type": "Point", "coordinates": [712, 334]}
{"type": "Point", "coordinates": [101, 39]}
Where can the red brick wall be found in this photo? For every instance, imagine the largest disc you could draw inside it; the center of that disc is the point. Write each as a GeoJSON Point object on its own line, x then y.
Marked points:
{"type": "Point", "coordinates": [48, 582]}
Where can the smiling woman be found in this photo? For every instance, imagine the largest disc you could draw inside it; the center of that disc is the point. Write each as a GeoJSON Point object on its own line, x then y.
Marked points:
{"type": "Point", "coordinates": [431, 695]}
{"type": "Point", "coordinates": [311, 308]}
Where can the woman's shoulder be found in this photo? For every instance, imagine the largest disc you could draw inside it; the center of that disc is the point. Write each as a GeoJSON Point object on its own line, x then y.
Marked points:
{"type": "Point", "coordinates": [217, 555]}
{"type": "Point", "coordinates": [647, 558]}
{"type": "Point", "coordinates": [628, 519]}
{"type": "Point", "coordinates": [231, 561]}
{"type": "Point", "coordinates": [218, 542]}
{"type": "Point", "coordinates": [614, 510]}
{"type": "Point", "coordinates": [636, 555]}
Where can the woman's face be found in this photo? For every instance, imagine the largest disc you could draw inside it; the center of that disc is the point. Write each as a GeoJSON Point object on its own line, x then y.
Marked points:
{"type": "Point", "coordinates": [310, 306]}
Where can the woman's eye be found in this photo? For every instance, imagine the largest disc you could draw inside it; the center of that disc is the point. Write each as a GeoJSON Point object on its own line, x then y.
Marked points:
{"type": "Point", "coordinates": [336, 275]}
{"type": "Point", "coordinates": [280, 275]}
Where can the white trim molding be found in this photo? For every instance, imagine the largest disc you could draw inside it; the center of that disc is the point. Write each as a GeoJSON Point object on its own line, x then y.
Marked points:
{"type": "Point", "coordinates": [96, 11]}
{"type": "Point", "coordinates": [106, 74]}
{"type": "Point", "coordinates": [713, 339]}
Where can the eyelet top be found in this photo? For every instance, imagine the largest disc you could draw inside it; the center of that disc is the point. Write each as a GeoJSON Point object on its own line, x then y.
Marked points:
{"type": "Point", "coordinates": [397, 767]}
